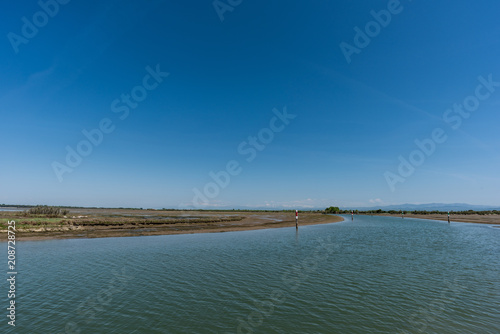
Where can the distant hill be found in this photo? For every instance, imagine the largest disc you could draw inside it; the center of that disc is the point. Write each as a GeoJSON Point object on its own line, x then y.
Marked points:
{"type": "Point", "coordinates": [431, 207]}
{"type": "Point", "coordinates": [406, 207]}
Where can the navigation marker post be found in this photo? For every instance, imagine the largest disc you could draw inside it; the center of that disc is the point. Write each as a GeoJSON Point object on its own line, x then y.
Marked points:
{"type": "Point", "coordinates": [448, 217]}
{"type": "Point", "coordinates": [296, 219]}
{"type": "Point", "coordinates": [352, 214]}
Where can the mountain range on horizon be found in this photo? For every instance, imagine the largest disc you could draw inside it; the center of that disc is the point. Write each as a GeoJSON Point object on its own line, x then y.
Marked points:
{"type": "Point", "coordinates": [432, 207]}
{"type": "Point", "coordinates": [406, 206]}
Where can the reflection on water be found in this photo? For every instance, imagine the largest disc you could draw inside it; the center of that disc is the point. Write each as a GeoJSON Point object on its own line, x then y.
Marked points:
{"type": "Point", "coordinates": [370, 275]}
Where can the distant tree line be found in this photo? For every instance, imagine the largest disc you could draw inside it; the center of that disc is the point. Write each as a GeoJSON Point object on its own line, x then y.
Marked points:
{"type": "Point", "coordinates": [58, 211]}
{"type": "Point", "coordinates": [15, 206]}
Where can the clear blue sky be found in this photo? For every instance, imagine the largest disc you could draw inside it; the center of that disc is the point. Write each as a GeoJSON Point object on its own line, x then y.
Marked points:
{"type": "Point", "coordinates": [353, 119]}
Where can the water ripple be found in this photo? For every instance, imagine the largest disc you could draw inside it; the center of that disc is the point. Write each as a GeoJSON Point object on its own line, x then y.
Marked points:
{"type": "Point", "coordinates": [373, 275]}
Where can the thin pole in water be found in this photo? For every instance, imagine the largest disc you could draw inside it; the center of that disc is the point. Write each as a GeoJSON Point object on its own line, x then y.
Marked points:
{"type": "Point", "coordinates": [448, 217]}
{"type": "Point", "coordinates": [296, 219]}
{"type": "Point", "coordinates": [352, 214]}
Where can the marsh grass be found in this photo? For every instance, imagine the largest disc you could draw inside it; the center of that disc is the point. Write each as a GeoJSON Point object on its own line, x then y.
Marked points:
{"type": "Point", "coordinates": [44, 210]}
{"type": "Point", "coordinates": [45, 217]}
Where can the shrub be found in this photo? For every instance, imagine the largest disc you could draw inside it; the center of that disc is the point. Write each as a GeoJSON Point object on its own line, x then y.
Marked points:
{"type": "Point", "coordinates": [50, 211]}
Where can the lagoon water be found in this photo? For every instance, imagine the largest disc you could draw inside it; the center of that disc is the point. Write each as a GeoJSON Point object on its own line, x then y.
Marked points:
{"type": "Point", "coordinates": [372, 275]}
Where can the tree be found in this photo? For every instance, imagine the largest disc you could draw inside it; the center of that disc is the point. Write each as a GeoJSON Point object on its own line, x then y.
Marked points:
{"type": "Point", "coordinates": [332, 209]}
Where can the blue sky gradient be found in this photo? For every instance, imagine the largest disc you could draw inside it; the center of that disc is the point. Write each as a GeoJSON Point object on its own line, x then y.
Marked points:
{"type": "Point", "coordinates": [353, 120]}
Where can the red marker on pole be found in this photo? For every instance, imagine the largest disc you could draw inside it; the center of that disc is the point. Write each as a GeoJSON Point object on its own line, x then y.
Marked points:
{"type": "Point", "coordinates": [296, 219]}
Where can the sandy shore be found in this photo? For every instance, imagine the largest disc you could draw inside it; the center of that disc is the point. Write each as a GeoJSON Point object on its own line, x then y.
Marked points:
{"type": "Point", "coordinates": [474, 218]}
{"type": "Point", "coordinates": [99, 223]}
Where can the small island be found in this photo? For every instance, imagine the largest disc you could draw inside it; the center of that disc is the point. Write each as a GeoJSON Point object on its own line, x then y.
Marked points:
{"type": "Point", "coordinates": [48, 222]}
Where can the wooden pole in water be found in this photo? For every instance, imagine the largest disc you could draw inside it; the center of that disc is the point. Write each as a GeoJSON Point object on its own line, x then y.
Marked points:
{"type": "Point", "coordinates": [448, 217]}
{"type": "Point", "coordinates": [352, 214]}
{"type": "Point", "coordinates": [296, 219]}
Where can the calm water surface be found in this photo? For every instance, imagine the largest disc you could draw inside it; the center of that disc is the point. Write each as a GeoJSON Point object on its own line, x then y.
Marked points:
{"type": "Point", "coordinates": [373, 275]}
